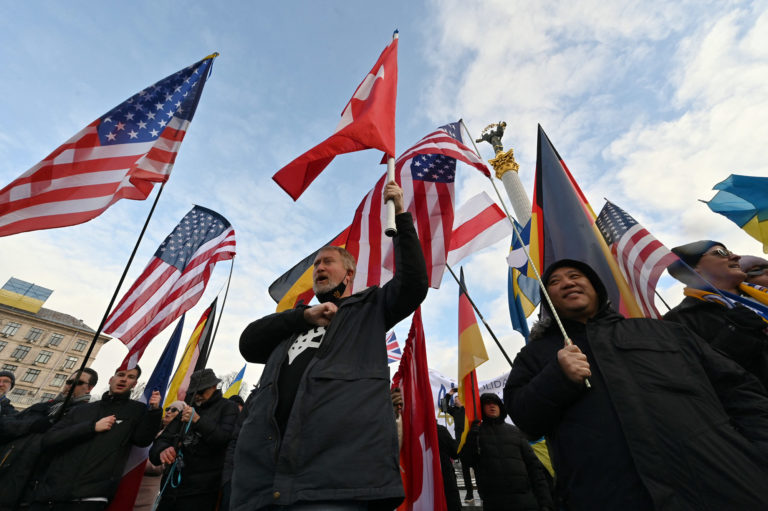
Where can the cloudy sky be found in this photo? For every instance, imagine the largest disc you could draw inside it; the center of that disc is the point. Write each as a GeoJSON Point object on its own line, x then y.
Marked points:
{"type": "Point", "coordinates": [649, 104]}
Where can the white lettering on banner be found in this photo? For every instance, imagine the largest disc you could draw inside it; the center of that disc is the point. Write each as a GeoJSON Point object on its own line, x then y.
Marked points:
{"type": "Point", "coordinates": [441, 384]}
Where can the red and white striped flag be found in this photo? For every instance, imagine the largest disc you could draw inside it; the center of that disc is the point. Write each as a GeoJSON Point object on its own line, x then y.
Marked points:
{"type": "Point", "coordinates": [426, 173]}
{"type": "Point", "coordinates": [118, 156]}
{"type": "Point", "coordinates": [173, 281]}
{"type": "Point", "coordinates": [479, 223]}
{"type": "Point", "coordinates": [641, 257]}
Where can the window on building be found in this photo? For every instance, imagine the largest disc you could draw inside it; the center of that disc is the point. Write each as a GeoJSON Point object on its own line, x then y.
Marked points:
{"type": "Point", "coordinates": [20, 352]}
{"type": "Point", "coordinates": [80, 345]}
{"type": "Point", "coordinates": [34, 334]}
{"type": "Point", "coordinates": [58, 380]}
{"type": "Point", "coordinates": [47, 396]}
{"type": "Point", "coordinates": [11, 328]}
{"type": "Point", "coordinates": [55, 339]}
{"type": "Point", "coordinates": [19, 392]}
{"type": "Point", "coordinates": [10, 367]}
{"type": "Point", "coordinates": [43, 357]}
{"type": "Point", "coordinates": [3, 344]}
{"type": "Point", "coordinates": [30, 376]}
{"type": "Point", "coordinates": [70, 362]}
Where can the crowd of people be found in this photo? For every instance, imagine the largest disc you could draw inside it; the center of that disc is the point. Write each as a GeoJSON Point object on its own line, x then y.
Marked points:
{"type": "Point", "coordinates": [638, 414]}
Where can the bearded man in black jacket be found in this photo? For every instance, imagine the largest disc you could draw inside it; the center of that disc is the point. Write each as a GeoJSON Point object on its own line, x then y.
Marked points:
{"type": "Point", "coordinates": [668, 422]}
{"type": "Point", "coordinates": [90, 445]}
{"type": "Point", "coordinates": [321, 426]}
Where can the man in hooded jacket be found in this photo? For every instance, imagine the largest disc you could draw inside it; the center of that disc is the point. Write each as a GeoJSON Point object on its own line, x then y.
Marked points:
{"type": "Point", "coordinates": [509, 475]}
{"type": "Point", "coordinates": [667, 423]}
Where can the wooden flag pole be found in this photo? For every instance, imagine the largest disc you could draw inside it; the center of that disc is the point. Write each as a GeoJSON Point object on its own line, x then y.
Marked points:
{"type": "Point", "coordinates": [487, 326]}
{"type": "Point", "coordinates": [111, 303]}
{"type": "Point", "coordinates": [566, 340]}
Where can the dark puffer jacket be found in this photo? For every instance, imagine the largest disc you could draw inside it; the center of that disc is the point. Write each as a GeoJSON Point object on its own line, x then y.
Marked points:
{"type": "Point", "coordinates": [738, 333]}
{"type": "Point", "coordinates": [340, 440]}
{"type": "Point", "coordinates": [509, 475]}
{"type": "Point", "coordinates": [21, 447]}
{"type": "Point", "coordinates": [203, 446]}
{"type": "Point", "coordinates": [669, 423]}
{"type": "Point", "coordinates": [88, 464]}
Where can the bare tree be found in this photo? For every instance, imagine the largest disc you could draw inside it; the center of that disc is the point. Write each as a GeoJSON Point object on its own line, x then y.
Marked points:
{"type": "Point", "coordinates": [138, 390]}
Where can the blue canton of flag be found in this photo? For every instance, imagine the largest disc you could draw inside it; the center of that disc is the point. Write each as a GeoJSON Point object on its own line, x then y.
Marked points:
{"type": "Point", "coordinates": [198, 227]}
{"type": "Point", "coordinates": [393, 349]}
{"type": "Point", "coordinates": [145, 115]}
{"type": "Point", "coordinates": [437, 168]}
{"type": "Point", "coordinates": [614, 223]}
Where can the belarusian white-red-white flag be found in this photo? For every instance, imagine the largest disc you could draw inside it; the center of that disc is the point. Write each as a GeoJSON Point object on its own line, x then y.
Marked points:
{"type": "Point", "coordinates": [479, 223]}
{"type": "Point", "coordinates": [420, 454]}
{"type": "Point", "coordinates": [367, 122]}
{"type": "Point", "coordinates": [118, 156]}
{"type": "Point", "coordinates": [173, 281]}
{"type": "Point", "coordinates": [426, 173]}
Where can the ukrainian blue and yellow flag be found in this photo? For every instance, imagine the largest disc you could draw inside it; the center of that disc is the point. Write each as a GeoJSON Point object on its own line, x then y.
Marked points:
{"type": "Point", "coordinates": [234, 387]}
{"type": "Point", "coordinates": [744, 201]}
{"type": "Point", "coordinates": [563, 226]}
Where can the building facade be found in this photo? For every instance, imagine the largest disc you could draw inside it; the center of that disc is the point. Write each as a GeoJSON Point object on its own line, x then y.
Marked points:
{"type": "Point", "coordinates": [42, 347]}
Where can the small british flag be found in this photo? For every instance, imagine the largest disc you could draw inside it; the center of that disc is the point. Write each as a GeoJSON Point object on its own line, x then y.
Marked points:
{"type": "Point", "coordinates": [393, 349]}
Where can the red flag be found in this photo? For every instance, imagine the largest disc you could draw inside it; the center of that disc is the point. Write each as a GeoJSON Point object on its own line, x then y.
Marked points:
{"type": "Point", "coordinates": [367, 122]}
{"type": "Point", "coordinates": [173, 281]}
{"type": "Point", "coordinates": [420, 455]}
{"type": "Point", "coordinates": [117, 156]}
{"type": "Point", "coordinates": [426, 172]}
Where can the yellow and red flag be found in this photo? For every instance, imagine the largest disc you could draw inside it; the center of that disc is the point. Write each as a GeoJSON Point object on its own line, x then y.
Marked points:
{"type": "Point", "coordinates": [471, 355]}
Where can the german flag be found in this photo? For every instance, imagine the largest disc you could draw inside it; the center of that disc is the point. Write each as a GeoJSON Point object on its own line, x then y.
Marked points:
{"type": "Point", "coordinates": [471, 355]}
{"type": "Point", "coordinates": [563, 226]}
{"type": "Point", "coordinates": [294, 287]}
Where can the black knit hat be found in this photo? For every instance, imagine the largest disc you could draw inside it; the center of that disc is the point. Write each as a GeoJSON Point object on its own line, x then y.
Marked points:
{"type": "Point", "coordinates": [689, 254]}
{"type": "Point", "coordinates": [10, 375]}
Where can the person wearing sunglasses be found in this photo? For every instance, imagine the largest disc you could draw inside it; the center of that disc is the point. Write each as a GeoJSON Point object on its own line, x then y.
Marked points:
{"type": "Point", "coordinates": [719, 306]}
{"type": "Point", "coordinates": [21, 436]}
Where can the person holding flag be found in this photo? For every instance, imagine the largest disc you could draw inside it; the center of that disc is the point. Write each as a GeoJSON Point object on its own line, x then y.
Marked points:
{"type": "Point", "coordinates": [321, 427]}
{"type": "Point", "coordinates": [667, 423]}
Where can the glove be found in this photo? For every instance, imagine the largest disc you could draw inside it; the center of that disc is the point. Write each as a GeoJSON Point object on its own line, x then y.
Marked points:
{"type": "Point", "coordinates": [745, 318]}
{"type": "Point", "coordinates": [475, 427]}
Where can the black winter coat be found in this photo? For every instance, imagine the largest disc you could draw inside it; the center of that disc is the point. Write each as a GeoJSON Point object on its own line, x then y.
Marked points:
{"type": "Point", "coordinates": [21, 447]}
{"type": "Point", "coordinates": [509, 475]}
{"type": "Point", "coordinates": [738, 333]}
{"type": "Point", "coordinates": [203, 446]}
{"type": "Point", "coordinates": [87, 464]}
{"type": "Point", "coordinates": [340, 439]}
{"type": "Point", "coordinates": [447, 446]}
{"type": "Point", "coordinates": [668, 419]}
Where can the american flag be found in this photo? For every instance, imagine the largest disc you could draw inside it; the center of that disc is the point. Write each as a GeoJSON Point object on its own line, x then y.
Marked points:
{"type": "Point", "coordinates": [118, 156]}
{"type": "Point", "coordinates": [426, 173]}
{"type": "Point", "coordinates": [393, 349]}
{"type": "Point", "coordinates": [173, 281]}
{"type": "Point", "coordinates": [641, 257]}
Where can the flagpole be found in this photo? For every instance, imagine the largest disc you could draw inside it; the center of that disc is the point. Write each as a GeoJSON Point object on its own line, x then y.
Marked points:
{"type": "Point", "coordinates": [566, 340]}
{"type": "Point", "coordinates": [480, 314]}
{"type": "Point", "coordinates": [474, 403]}
{"type": "Point", "coordinates": [223, 303]}
{"type": "Point", "coordinates": [111, 303]}
{"type": "Point", "coordinates": [390, 229]}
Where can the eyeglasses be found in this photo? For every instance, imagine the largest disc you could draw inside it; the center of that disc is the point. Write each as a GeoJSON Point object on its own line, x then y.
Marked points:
{"type": "Point", "coordinates": [172, 409]}
{"type": "Point", "coordinates": [755, 272]}
{"type": "Point", "coordinates": [722, 252]}
{"type": "Point", "coordinates": [79, 382]}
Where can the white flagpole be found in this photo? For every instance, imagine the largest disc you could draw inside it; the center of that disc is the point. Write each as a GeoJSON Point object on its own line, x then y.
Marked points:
{"type": "Point", "coordinates": [390, 229]}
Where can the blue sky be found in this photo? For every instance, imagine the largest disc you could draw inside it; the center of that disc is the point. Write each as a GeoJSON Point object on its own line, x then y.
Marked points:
{"type": "Point", "coordinates": [650, 105]}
